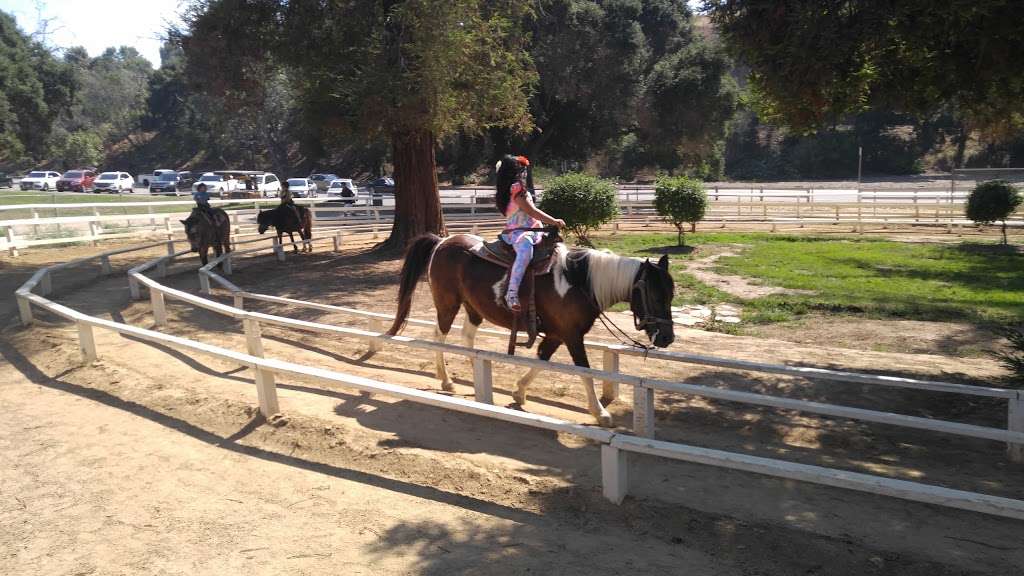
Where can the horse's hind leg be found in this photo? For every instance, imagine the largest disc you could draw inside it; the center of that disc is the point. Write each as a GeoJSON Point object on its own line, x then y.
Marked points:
{"type": "Point", "coordinates": [545, 350]}
{"type": "Point", "coordinates": [579, 357]}
{"type": "Point", "coordinates": [307, 237]}
{"type": "Point", "coordinates": [473, 320]}
{"type": "Point", "coordinates": [291, 235]}
{"type": "Point", "coordinates": [447, 306]}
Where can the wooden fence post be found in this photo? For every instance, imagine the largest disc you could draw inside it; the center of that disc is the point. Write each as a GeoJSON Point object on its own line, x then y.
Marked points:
{"type": "Point", "coordinates": [239, 300]}
{"type": "Point", "coordinates": [266, 391]}
{"type": "Point", "coordinates": [24, 311]}
{"type": "Point", "coordinates": [204, 282]}
{"type": "Point", "coordinates": [483, 381]}
{"type": "Point", "coordinates": [614, 473]}
{"type": "Point", "coordinates": [337, 242]}
{"type": "Point", "coordinates": [105, 265]}
{"type": "Point", "coordinates": [46, 285]}
{"type": "Point", "coordinates": [376, 325]}
{"type": "Point", "coordinates": [133, 288]}
{"type": "Point", "coordinates": [86, 342]}
{"type": "Point", "coordinates": [278, 250]}
{"type": "Point", "coordinates": [643, 411]}
{"type": "Point", "coordinates": [1015, 423]}
{"type": "Point", "coordinates": [609, 389]}
{"type": "Point", "coordinates": [156, 300]}
{"type": "Point", "coordinates": [11, 246]}
{"type": "Point", "coordinates": [226, 265]}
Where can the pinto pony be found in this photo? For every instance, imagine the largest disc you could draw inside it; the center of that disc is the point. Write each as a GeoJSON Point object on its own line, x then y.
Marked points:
{"type": "Point", "coordinates": [582, 284]}
{"type": "Point", "coordinates": [208, 228]}
{"type": "Point", "coordinates": [290, 219]}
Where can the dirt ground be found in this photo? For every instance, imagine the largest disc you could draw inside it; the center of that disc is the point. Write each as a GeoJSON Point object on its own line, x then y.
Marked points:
{"type": "Point", "coordinates": [153, 461]}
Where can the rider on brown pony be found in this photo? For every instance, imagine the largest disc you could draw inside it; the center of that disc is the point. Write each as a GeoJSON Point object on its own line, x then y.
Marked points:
{"type": "Point", "coordinates": [514, 199]}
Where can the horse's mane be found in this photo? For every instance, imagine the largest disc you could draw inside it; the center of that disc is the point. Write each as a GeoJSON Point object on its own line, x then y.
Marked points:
{"type": "Point", "coordinates": [607, 277]}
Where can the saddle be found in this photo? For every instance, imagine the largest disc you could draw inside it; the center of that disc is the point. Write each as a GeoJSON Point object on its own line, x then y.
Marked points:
{"type": "Point", "coordinates": [501, 253]}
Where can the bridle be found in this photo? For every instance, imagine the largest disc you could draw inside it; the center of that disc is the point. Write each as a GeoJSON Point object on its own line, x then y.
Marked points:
{"type": "Point", "coordinates": [641, 318]}
{"type": "Point", "coordinates": [645, 317]}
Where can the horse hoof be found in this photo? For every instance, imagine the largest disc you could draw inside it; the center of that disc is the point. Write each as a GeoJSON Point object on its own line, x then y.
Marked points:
{"type": "Point", "coordinates": [447, 386]}
{"type": "Point", "coordinates": [519, 398]}
{"type": "Point", "coordinates": [606, 400]}
{"type": "Point", "coordinates": [605, 421]}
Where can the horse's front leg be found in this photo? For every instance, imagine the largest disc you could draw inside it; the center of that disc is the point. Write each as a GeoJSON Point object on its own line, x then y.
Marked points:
{"type": "Point", "coordinates": [545, 351]}
{"type": "Point", "coordinates": [579, 357]}
{"type": "Point", "coordinates": [295, 247]}
{"type": "Point", "coordinates": [203, 251]}
{"type": "Point", "coordinates": [217, 251]}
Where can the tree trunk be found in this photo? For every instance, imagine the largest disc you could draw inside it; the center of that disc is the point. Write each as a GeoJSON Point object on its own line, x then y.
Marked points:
{"type": "Point", "coordinates": [417, 203]}
{"type": "Point", "coordinates": [1004, 233]}
{"type": "Point", "coordinates": [961, 146]}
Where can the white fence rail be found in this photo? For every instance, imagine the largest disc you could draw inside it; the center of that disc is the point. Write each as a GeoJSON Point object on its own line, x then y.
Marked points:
{"type": "Point", "coordinates": [615, 446]}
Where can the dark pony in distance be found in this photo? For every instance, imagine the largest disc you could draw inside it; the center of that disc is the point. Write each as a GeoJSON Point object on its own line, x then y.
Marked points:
{"type": "Point", "coordinates": [581, 285]}
{"type": "Point", "coordinates": [205, 229]}
{"type": "Point", "coordinates": [289, 218]}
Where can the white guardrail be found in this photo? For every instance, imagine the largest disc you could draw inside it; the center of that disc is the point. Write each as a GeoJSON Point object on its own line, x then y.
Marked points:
{"type": "Point", "coordinates": [615, 446]}
{"type": "Point", "coordinates": [727, 205]}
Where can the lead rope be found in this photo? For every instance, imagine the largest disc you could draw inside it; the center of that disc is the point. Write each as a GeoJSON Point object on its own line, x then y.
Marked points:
{"type": "Point", "coordinates": [625, 338]}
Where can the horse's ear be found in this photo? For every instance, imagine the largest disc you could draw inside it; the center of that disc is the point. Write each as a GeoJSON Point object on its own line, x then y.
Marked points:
{"type": "Point", "coordinates": [185, 222]}
{"type": "Point", "coordinates": [663, 262]}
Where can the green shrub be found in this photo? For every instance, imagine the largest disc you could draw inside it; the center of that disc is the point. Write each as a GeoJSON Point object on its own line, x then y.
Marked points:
{"type": "Point", "coordinates": [583, 201]}
{"type": "Point", "coordinates": [1013, 358]}
{"type": "Point", "coordinates": [993, 201]}
{"type": "Point", "coordinates": [680, 200]}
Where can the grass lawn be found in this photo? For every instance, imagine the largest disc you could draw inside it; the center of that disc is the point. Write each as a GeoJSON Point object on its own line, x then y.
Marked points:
{"type": "Point", "coordinates": [970, 282]}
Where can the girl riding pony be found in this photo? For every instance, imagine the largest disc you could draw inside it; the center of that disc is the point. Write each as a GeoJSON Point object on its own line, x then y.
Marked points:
{"type": "Point", "coordinates": [514, 199]}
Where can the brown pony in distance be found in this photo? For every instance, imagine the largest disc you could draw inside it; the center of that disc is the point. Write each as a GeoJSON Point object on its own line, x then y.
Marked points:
{"type": "Point", "coordinates": [288, 219]}
{"type": "Point", "coordinates": [205, 230]}
{"type": "Point", "coordinates": [583, 283]}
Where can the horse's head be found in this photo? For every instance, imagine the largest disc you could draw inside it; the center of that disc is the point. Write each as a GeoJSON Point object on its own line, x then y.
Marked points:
{"type": "Point", "coordinates": [263, 220]}
{"type": "Point", "coordinates": [651, 301]}
{"type": "Point", "coordinates": [192, 232]}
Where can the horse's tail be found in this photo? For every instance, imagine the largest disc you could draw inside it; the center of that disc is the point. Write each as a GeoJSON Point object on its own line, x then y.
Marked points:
{"type": "Point", "coordinates": [417, 258]}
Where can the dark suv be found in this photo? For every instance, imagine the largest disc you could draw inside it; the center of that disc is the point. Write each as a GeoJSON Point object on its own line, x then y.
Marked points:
{"type": "Point", "coordinates": [5, 180]}
{"type": "Point", "coordinates": [76, 180]}
{"type": "Point", "coordinates": [176, 183]}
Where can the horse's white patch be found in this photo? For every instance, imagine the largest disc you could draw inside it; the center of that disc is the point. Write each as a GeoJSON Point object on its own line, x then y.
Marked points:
{"type": "Point", "coordinates": [561, 282]}
{"type": "Point", "coordinates": [611, 276]}
{"type": "Point", "coordinates": [499, 290]}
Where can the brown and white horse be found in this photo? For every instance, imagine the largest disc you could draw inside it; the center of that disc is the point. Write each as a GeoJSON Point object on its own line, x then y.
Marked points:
{"type": "Point", "coordinates": [583, 283]}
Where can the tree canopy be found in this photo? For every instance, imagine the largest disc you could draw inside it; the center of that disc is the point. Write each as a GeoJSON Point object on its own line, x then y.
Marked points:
{"type": "Point", "coordinates": [813, 61]}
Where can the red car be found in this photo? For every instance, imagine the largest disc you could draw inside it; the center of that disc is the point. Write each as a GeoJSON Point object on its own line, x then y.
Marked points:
{"type": "Point", "coordinates": [76, 180]}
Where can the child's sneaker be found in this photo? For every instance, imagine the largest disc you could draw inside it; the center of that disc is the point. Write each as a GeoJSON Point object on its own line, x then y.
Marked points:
{"type": "Point", "coordinates": [512, 300]}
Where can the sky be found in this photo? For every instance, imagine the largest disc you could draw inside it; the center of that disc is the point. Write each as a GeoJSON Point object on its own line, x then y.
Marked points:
{"type": "Point", "coordinates": [99, 24]}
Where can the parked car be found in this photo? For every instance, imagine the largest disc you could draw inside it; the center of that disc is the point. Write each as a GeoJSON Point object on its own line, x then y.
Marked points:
{"type": "Point", "coordinates": [39, 180]}
{"type": "Point", "coordinates": [323, 181]}
{"type": "Point", "coordinates": [217, 184]}
{"type": "Point", "coordinates": [176, 183]}
{"type": "Point", "coordinates": [144, 180]}
{"type": "Point", "coordinates": [113, 182]}
{"type": "Point", "coordinates": [302, 188]}
{"type": "Point", "coordinates": [5, 180]}
{"type": "Point", "coordinates": [267, 185]}
{"type": "Point", "coordinates": [76, 180]}
{"type": "Point", "coordinates": [385, 185]}
{"type": "Point", "coordinates": [342, 190]}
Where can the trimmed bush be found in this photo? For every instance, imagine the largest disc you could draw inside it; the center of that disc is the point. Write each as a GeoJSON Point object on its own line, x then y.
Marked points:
{"type": "Point", "coordinates": [993, 201]}
{"type": "Point", "coordinates": [583, 201]}
{"type": "Point", "coordinates": [680, 200]}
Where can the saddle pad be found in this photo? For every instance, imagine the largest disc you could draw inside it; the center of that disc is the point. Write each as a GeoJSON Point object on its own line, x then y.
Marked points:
{"type": "Point", "coordinates": [500, 253]}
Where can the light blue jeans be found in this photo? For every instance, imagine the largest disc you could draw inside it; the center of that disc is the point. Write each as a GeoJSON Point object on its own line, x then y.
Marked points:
{"type": "Point", "coordinates": [524, 253]}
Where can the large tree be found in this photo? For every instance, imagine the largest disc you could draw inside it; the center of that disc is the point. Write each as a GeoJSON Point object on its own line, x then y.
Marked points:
{"type": "Point", "coordinates": [814, 61]}
{"type": "Point", "coordinates": [409, 71]}
{"type": "Point", "coordinates": [35, 90]}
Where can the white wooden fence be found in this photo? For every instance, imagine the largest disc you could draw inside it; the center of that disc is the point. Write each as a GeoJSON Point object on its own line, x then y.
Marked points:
{"type": "Point", "coordinates": [615, 446]}
{"type": "Point", "coordinates": [763, 205]}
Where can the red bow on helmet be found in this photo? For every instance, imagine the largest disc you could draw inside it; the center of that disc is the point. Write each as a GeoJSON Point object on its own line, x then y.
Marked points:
{"type": "Point", "coordinates": [523, 160]}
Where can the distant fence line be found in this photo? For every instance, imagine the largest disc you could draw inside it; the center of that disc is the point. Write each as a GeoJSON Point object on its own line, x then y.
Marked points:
{"type": "Point", "coordinates": [736, 205]}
